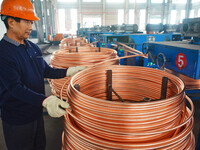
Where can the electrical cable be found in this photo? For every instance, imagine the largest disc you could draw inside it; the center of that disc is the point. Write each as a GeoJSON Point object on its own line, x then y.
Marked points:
{"type": "Point", "coordinates": [97, 123]}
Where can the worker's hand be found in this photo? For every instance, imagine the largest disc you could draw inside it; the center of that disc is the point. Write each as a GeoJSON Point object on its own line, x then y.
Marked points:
{"type": "Point", "coordinates": [54, 106]}
{"type": "Point", "coordinates": [73, 70]}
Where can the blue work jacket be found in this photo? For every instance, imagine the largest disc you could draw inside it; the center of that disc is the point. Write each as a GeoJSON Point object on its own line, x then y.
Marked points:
{"type": "Point", "coordinates": [22, 73]}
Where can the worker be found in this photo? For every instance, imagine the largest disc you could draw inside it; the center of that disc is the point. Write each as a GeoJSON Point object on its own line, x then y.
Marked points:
{"type": "Point", "coordinates": [22, 73]}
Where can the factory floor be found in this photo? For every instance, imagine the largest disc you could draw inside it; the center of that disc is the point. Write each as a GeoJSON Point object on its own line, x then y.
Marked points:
{"type": "Point", "coordinates": [54, 127]}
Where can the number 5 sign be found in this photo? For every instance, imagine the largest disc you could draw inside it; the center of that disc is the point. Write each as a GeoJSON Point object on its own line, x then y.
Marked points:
{"type": "Point", "coordinates": [181, 61]}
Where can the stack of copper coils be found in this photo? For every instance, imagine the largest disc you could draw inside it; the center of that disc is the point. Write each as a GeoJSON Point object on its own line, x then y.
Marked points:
{"type": "Point", "coordinates": [66, 42]}
{"type": "Point", "coordinates": [134, 123]}
{"type": "Point", "coordinates": [78, 56]}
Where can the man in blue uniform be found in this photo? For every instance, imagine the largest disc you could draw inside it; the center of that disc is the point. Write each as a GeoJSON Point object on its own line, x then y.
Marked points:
{"type": "Point", "coordinates": [22, 73]}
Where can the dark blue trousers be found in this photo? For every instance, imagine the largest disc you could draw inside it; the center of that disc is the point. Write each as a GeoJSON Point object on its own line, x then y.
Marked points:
{"type": "Point", "coordinates": [30, 136]}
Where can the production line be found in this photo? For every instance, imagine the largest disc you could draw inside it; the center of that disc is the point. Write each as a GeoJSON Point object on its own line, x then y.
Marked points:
{"type": "Point", "coordinates": [100, 75]}
{"type": "Point", "coordinates": [176, 53]}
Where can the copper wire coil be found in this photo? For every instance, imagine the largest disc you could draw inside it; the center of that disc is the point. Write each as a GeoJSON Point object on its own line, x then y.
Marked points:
{"type": "Point", "coordinates": [85, 57]}
{"type": "Point", "coordinates": [97, 123]}
{"type": "Point", "coordinates": [64, 46]}
{"type": "Point", "coordinates": [73, 42]}
{"type": "Point", "coordinates": [190, 83]}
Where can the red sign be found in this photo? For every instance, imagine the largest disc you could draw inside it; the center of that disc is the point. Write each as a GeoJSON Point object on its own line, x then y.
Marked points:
{"type": "Point", "coordinates": [181, 61]}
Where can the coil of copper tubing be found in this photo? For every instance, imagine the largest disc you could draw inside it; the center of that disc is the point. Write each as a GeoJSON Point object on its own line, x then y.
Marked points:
{"type": "Point", "coordinates": [98, 123]}
{"type": "Point", "coordinates": [73, 42]}
{"type": "Point", "coordinates": [84, 57]}
{"type": "Point", "coordinates": [190, 83]}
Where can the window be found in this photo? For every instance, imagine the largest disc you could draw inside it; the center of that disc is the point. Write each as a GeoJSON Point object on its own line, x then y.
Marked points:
{"type": "Point", "coordinates": [164, 21]}
{"type": "Point", "coordinates": [198, 13]}
{"type": "Point", "coordinates": [131, 1]}
{"type": "Point", "coordinates": [131, 16]}
{"type": "Point", "coordinates": [91, 21]}
{"type": "Point", "coordinates": [115, 1]}
{"type": "Point", "coordinates": [173, 17]}
{"type": "Point", "coordinates": [120, 16]}
{"type": "Point", "coordinates": [156, 1]}
{"type": "Point", "coordinates": [137, 1]}
{"type": "Point", "coordinates": [68, 1]}
{"type": "Point", "coordinates": [141, 1]}
{"type": "Point", "coordinates": [195, 1]}
{"type": "Point", "coordinates": [142, 19]}
{"type": "Point", "coordinates": [74, 20]}
{"type": "Point", "coordinates": [182, 16]}
{"type": "Point", "coordinates": [192, 13]}
{"type": "Point", "coordinates": [155, 20]}
{"type": "Point", "coordinates": [91, 0]}
{"type": "Point", "coordinates": [179, 1]}
{"type": "Point", "coordinates": [61, 19]}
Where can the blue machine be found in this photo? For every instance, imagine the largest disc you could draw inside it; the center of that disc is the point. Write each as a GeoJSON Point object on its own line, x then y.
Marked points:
{"type": "Point", "coordinates": [182, 57]}
{"type": "Point", "coordinates": [137, 41]}
{"type": "Point", "coordinates": [140, 41]}
{"type": "Point", "coordinates": [108, 40]}
{"type": "Point", "coordinates": [93, 34]}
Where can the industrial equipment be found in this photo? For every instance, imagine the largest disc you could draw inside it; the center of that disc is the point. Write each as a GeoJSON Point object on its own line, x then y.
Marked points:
{"type": "Point", "coordinates": [167, 28]}
{"type": "Point", "coordinates": [137, 41]}
{"type": "Point", "coordinates": [131, 28]}
{"type": "Point", "coordinates": [182, 58]}
{"type": "Point", "coordinates": [179, 56]}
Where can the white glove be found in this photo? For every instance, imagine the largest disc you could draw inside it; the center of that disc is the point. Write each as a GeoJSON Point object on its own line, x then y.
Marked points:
{"type": "Point", "coordinates": [73, 70]}
{"type": "Point", "coordinates": [53, 104]}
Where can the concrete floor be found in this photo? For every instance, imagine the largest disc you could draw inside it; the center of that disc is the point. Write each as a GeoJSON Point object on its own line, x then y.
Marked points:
{"type": "Point", "coordinates": [54, 127]}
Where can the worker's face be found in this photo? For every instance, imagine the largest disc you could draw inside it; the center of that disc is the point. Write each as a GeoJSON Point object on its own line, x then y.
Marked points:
{"type": "Point", "coordinates": [22, 29]}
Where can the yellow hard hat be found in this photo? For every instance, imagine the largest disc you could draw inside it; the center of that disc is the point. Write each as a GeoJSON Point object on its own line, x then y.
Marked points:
{"type": "Point", "coordinates": [18, 8]}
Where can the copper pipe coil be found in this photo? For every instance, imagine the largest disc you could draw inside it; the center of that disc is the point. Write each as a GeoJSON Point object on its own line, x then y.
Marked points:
{"type": "Point", "coordinates": [73, 42]}
{"type": "Point", "coordinates": [63, 41]}
{"type": "Point", "coordinates": [97, 123]}
{"type": "Point", "coordinates": [85, 57]}
{"type": "Point", "coordinates": [190, 83]}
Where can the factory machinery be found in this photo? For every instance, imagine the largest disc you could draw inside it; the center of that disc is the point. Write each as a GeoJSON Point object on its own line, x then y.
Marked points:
{"type": "Point", "coordinates": [181, 58]}
{"type": "Point", "coordinates": [137, 40]}
{"type": "Point", "coordinates": [120, 107]}
{"type": "Point", "coordinates": [92, 34]}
